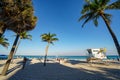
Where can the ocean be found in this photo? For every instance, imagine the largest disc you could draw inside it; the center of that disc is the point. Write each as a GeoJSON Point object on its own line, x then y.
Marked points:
{"type": "Point", "coordinates": [115, 57]}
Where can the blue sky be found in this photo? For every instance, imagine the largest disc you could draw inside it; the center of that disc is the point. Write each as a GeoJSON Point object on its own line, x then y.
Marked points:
{"type": "Point", "coordinates": [61, 17]}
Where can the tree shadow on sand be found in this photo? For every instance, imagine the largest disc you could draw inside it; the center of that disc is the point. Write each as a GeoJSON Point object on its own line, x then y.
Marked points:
{"type": "Point", "coordinates": [73, 62]}
{"type": "Point", "coordinates": [113, 72]}
{"type": "Point", "coordinates": [56, 71]}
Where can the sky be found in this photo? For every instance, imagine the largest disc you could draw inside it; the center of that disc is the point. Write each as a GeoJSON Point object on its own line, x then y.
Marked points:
{"type": "Point", "coordinates": [61, 17]}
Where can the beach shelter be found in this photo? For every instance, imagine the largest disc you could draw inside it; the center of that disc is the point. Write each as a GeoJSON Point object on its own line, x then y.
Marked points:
{"type": "Point", "coordinates": [97, 53]}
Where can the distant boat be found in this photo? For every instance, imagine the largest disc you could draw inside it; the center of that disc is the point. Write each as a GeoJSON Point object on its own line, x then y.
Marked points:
{"type": "Point", "coordinates": [2, 56]}
{"type": "Point", "coordinates": [97, 53]}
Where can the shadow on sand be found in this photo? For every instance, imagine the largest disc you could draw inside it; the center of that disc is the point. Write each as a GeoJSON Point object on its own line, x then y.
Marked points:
{"type": "Point", "coordinates": [55, 71]}
{"type": "Point", "coordinates": [73, 62]}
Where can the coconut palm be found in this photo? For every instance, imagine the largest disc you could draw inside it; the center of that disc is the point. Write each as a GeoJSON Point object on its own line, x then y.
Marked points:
{"type": "Point", "coordinates": [49, 38]}
{"type": "Point", "coordinates": [24, 21]}
{"type": "Point", "coordinates": [94, 9]}
{"type": "Point", "coordinates": [23, 35]}
{"type": "Point", "coordinates": [3, 41]}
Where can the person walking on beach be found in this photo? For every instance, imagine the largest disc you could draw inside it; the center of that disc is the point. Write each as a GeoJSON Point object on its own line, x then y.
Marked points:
{"type": "Point", "coordinates": [24, 62]}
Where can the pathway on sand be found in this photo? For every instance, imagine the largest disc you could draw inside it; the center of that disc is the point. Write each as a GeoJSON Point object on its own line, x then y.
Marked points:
{"type": "Point", "coordinates": [56, 71]}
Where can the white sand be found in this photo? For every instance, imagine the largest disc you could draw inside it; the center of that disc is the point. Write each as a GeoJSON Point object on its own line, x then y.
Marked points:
{"type": "Point", "coordinates": [66, 70]}
{"type": "Point", "coordinates": [14, 66]}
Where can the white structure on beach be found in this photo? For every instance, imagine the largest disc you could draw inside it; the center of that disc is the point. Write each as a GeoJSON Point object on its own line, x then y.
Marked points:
{"type": "Point", "coordinates": [97, 53]}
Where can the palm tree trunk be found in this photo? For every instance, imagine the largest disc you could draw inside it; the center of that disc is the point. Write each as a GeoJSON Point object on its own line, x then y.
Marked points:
{"type": "Point", "coordinates": [10, 56]}
{"type": "Point", "coordinates": [18, 43]}
{"type": "Point", "coordinates": [46, 51]}
{"type": "Point", "coordinates": [112, 34]}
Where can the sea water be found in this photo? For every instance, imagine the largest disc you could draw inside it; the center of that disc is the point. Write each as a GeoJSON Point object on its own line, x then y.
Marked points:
{"type": "Point", "coordinates": [114, 57]}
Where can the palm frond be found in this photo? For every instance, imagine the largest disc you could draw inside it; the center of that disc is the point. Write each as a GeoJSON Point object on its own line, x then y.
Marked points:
{"type": "Point", "coordinates": [54, 39]}
{"type": "Point", "coordinates": [108, 17]}
{"type": "Point", "coordinates": [52, 35]}
{"type": "Point", "coordinates": [114, 5]}
{"type": "Point", "coordinates": [88, 17]}
{"type": "Point", "coordinates": [93, 9]}
{"type": "Point", "coordinates": [5, 44]}
{"type": "Point", "coordinates": [95, 22]}
{"type": "Point", "coordinates": [25, 35]}
{"type": "Point", "coordinates": [85, 9]}
{"type": "Point", "coordinates": [50, 38]}
{"type": "Point", "coordinates": [103, 2]}
{"type": "Point", "coordinates": [95, 19]}
{"type": "Point", "coordinates": [3, 41]}
{"type": "Point", "coordinates": [43, 35]}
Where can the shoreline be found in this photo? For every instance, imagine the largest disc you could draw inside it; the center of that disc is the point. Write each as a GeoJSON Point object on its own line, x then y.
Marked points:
{"type": "Point", "coordinates": [83, 57]}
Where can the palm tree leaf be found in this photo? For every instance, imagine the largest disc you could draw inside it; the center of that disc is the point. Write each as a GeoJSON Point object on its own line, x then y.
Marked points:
{"type": "Point", "coordinates": [95, 19]}
{"type": "Point", "coordinates": [48, 37]}
{"type": "Point", "coordinates": [85, 8]}
{"type": "Point", "coordinates": [54, 39]}
{"type": "Point", "coordinates": [5, 44]}
{"type": "Point", "coordinates": [52, 35]}
{"type": "Point", "coordinates": [3, 41]}
{"type": "Point", "coordinates": [92, 10]}
{"type": "Point", "coordinates": [44, 35]}
{"type": "Point", "coordinates": [25, 35]}
{"type": "Point", "coordinates": [108, 17]}
{"type": "Point", "coordinates": [115, 5]}
{"type": "Point", "coordinates": [103, 2]}
{"type": "Point", "coordinates": [88, 17]}
{"type": "Point", "coordinates": [95, 22]}
{"type": "Point", "coordinates": [96, 2]}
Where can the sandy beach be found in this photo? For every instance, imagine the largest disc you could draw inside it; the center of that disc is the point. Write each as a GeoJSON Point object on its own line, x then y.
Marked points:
{"type": "Point", "coordinates": [65, 70]}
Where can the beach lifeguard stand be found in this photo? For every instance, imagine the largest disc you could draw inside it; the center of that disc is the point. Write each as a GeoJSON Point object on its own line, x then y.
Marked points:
{"type": "Point", "coordinates": [96, 54]}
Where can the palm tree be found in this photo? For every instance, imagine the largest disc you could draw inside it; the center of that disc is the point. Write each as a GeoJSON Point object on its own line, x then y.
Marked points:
{"type": "Point", "coordinates": [3, 41]}
{"type": "Point", "coordinates": [23, 35]}
{"type": "Point", "coordinates": [94, 9]}
{"type": "Point", "coordinates": [23, 21]}
{"type": "Point", "coordinates": [49, 38]}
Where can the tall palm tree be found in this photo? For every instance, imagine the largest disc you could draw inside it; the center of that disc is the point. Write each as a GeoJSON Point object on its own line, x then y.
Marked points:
{"type": "Point", "coordinates": [23, 21]}
{"type": "Point", "coordinates": [94, 9]}
{"type": "Point", "coordinates": [49, 38]}
{"type": "Point", "coordinates": [3, 41]}
{"type": "Point", "coordinates": [23, 35]}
